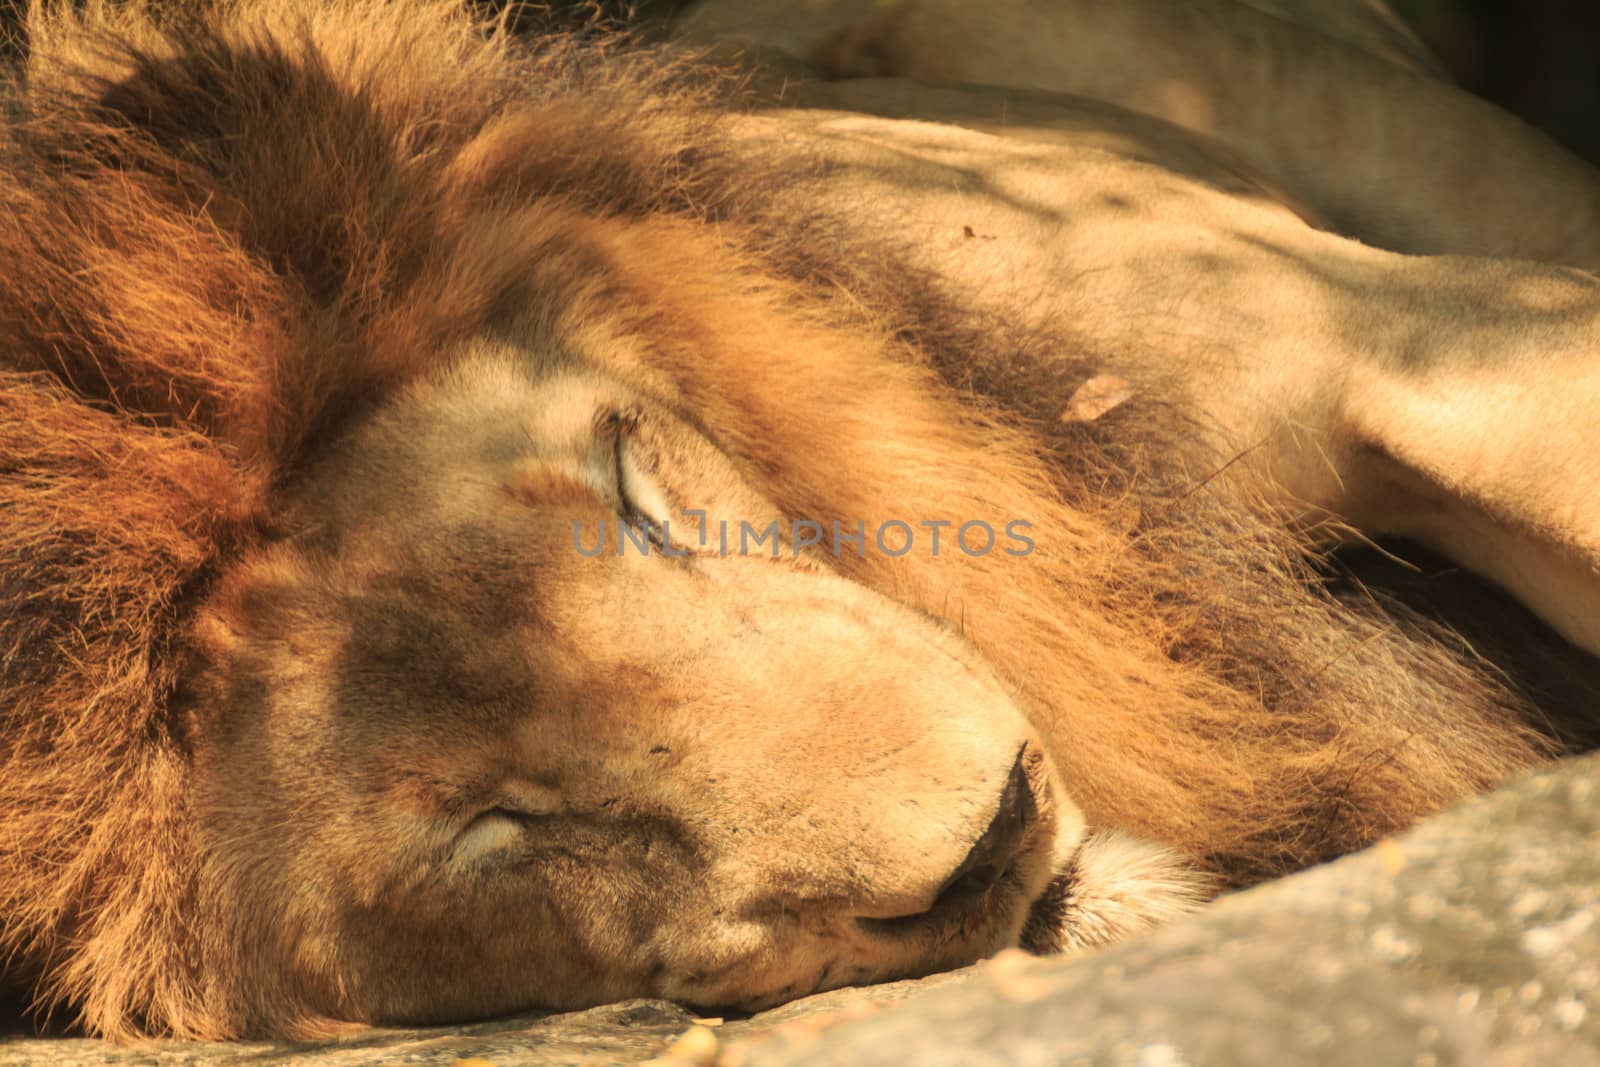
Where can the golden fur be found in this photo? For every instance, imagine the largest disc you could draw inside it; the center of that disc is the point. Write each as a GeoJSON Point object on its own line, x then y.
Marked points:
{"type": "Point", "coordinates": [250, 254]}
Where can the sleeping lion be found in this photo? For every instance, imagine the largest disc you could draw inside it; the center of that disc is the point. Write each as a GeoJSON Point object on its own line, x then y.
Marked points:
{"type": "Point", "coordinates": [493, 523]}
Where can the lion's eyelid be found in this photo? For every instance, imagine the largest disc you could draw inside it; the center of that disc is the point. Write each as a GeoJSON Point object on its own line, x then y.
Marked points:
{"type": "Point", "coordinates": [490, 831]}
{"type": "Point", "coordinates": [642, 501]}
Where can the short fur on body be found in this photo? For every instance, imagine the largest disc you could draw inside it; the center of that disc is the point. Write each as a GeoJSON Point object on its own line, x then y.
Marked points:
{"type": "Point", "coordinates": [231, 239]}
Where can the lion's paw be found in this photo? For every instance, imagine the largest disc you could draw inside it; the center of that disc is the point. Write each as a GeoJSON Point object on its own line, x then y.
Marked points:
{"type": "Point", "coordinates": [1113, 887]}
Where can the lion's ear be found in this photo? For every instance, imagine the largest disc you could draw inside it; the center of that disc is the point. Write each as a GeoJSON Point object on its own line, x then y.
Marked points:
{"type": "Point", "coordinates": [1114, 886]}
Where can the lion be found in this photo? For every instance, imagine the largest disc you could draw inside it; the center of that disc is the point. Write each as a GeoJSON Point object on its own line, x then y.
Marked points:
{"type": "Point", "coordinates": [471, 507]}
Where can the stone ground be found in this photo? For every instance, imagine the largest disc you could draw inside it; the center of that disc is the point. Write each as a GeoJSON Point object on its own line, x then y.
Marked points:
{"type": "Point", "coordinates": [1472, 940]}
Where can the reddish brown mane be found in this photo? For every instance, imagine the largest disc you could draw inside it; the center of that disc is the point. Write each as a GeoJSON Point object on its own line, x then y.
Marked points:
{"type": "Point", "coordinates": [221, 244]}
{"type": "Point", "coordinates": [218, 244]}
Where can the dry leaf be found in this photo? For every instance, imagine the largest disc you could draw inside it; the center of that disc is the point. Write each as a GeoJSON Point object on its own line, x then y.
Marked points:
{"type": "Point", "coordinates": [1095, 397]}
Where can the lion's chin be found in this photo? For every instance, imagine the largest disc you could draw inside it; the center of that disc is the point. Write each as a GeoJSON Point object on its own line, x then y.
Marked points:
{"type": "Point", "coordinates": [1110, 888]}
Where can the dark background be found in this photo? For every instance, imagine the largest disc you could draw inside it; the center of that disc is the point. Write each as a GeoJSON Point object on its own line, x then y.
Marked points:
{"type": "Point", "coordinates": [1537, 58]}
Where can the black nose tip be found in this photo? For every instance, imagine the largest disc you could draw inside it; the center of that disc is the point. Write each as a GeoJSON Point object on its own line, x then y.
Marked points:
{"type": "Point", "coordinates": [987, 860]}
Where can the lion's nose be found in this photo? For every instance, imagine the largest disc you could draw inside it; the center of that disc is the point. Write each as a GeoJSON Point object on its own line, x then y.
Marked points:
{"type": "Point", "coordinates": [984, 864]}
{"type": "Point", "coordinates": [986, 861]}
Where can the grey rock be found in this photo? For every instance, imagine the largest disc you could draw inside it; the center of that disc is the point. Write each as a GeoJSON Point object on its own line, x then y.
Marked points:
{"type": "Point", "coordinates": [617, 1033]}
{"type": "Point", "coordinates": [1473, 939]}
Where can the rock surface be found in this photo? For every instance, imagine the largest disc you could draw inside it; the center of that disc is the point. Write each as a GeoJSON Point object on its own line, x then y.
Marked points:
{"type": "Point", "coordinates": [1474, 939]}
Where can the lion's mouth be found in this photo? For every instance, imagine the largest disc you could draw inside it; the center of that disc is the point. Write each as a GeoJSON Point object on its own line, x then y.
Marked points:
{"type": "Point", "coordinates": [1050, 914]}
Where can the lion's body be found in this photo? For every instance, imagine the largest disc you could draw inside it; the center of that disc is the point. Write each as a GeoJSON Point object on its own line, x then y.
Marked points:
{"type": "Point", "coordinates": [327, 333]}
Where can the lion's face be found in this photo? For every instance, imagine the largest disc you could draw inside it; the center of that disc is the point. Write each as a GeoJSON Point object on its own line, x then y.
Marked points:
{"type": "Point", "coordinates": [459, 761]}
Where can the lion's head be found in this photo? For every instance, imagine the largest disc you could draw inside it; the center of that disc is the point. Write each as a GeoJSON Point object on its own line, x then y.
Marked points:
{"type": "Point", "coordinates": [409, 449]}
{"type": "Point", "coordinates": [436, 735]}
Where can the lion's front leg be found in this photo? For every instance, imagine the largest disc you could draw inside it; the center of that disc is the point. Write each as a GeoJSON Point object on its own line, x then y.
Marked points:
{"type": "Point", "coordinates": [1470, 425]}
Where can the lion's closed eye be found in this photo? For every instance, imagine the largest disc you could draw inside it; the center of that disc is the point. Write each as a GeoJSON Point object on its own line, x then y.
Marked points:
{"type": "Point", "coordinates": [490, 832]}
{"type": "Point", "coordinates": [642, 502]}
{"type": "Point", "coordinates": [668, 481]}
{"type": "Point", "coordinates": [504, 823]}
{"type": "Point", "coordinates": [615, 461]}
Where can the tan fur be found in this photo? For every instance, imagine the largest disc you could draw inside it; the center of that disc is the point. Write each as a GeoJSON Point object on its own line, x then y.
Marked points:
{"type": "Point", "coordinates": [1410, 177]}
{"type": "Point", "coordinates": [322, 325]}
